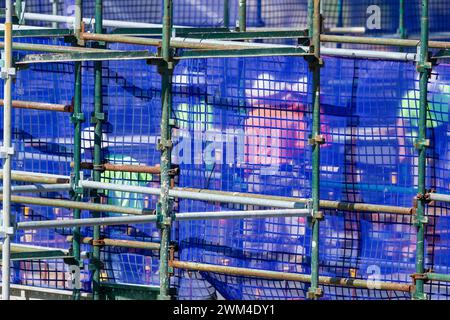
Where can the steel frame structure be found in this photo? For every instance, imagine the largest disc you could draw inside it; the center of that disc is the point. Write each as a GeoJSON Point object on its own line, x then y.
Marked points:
{"type": "Point", "coordinates": [199, 43]}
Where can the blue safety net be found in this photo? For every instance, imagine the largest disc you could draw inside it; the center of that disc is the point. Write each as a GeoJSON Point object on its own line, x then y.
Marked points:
{"type": "Point", "coordinates": [376, 16]}
{"type": "Point", "coordinates": [242, 125]}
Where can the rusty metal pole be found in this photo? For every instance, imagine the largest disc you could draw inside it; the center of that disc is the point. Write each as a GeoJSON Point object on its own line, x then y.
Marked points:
{"type": "Point", "coordinates": [7, 154]}
{"type": "Point", "coordinates": [315, 140]}
{"type": "Point", "coordinates": [164, 206]}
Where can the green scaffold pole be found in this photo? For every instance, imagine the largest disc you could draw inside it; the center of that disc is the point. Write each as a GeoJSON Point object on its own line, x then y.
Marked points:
{"type": "Point", "coordinates": [97, 118]}
{"type": "Point", "coordinates": [424, 69]}
{"type": "Point", "coordinates": [315, 140]}
{"type": "Point", "coordinates": [77, 119]}
{"type": "Point", "coordinates": [165, 146]}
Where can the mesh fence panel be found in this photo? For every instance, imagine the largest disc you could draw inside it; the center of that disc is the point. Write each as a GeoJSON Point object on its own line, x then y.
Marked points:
{"type": "Point", "coordinates": [242, 125]}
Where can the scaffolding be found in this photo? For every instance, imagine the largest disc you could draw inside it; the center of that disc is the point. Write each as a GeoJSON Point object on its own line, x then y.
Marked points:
{"type": "Point", "coordinates": [175, 43]}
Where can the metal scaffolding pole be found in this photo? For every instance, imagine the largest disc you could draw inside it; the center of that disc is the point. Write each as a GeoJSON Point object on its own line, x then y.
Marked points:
{"type": "Point", "coordinates": [39, 188]}
{"type": "Point", "coordinates": [7, 152]}
{"type": "Point", "coordinates": [248, 198]}
{"type": "Point", "coordinates": [316, 140]}
{"type": "Point", "coordinates": [164, 210]}
{"type": "Point", "coordinates": [226, 13]}
{"type": "Point", "coordinates": [55, 8]}
{"type": "Point", "coordinates": [276, 275]}
{"type": "Point", "coordinates": [39, 106]}
{"type": "Point", "coordinates": [242, 15]}
{"type": "Point", "coordinates": [98, 117]}
{"type": "Point", "coordinates": [34, 177]}
{"type": "Point", "coordinates": [402, 33]}
{"type": "Point", "coordinates": [77, 205]}
{"type": "Point", "coordinates": [439, 197]}
{"type": "Point", "coordinates": [122, 243]}
{"type": "Point", "coordinates": [77, 119]}
{"type": "Point", "coordinates": [424, 68]}
{"type": "Point", "coordinates": [212, 215]}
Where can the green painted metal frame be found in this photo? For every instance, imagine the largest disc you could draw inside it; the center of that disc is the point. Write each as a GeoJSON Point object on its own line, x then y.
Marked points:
{"type": "Point", "coordinates": [86, 56]}
{"type": "Point", "coordinates": [437, 277]}
{"type": "Point", "coordinates": [230, 53]}
{"type": "Point", "coordinates": [314, 291]}
{"type": "Point", "coordinates": [24, 252]}
{"type": "Point", "coordinates": [166, 64]}
{"type": "Point", "coordinates": [164, 211]}
{"type": "Point", "coordinates": [119, 291]}
{"type": "Point", "coordinates": [98, 117]}
{"type": "Point", "coordinates": [77, 119]}
{"type": "Point", "coordinates": [247, 35]}
{"type": "Point", "coordinates": [424, 69]}
{"type": "Point", "coordinates": [40, 33]}
{"type": "Point", "coordinates": [402, 32]}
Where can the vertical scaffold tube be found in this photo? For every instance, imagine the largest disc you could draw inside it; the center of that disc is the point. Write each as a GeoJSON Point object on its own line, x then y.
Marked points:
{"type": "Point", "coordinates": [340, 10]}
{"type": "Point", "coordinates": [97, 118]}
{"type": "Point", "coordinates": [226, 13]}
{"type": "Point", "coordinates": [55, 9]}
{"type": "Point", "coordinates": [242, 15]}
{"type": "Point", "coordinates": [401, 20]}
{"type": "Point", "coordinates": [315, 292]}
{"type": "Point", "coordinates": [77, 120]}
{"type": "Point", "coordinates": [165, 210]}
{"type": "Point", "coordinates": [424, 68]}
{"type": "Point", "coordinates": [7, 154]}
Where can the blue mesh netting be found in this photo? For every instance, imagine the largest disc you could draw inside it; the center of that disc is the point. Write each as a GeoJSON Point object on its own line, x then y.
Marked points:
{"type": "Point", "coordinates": [242, 125]}
{"type": "Point", "coordinates": [281, 13]}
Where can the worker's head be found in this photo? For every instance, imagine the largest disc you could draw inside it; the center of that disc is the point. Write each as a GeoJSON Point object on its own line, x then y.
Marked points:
{"type": "Point", "coordinates": [267, 90]}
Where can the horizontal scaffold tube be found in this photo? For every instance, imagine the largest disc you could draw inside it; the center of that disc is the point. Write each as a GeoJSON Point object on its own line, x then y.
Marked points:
{"type": "Point", "coordinates": [192, 43]}
{"type": "Point", "coordinates": [34, 177]}
{"type": "Point", "coordinates": [216, 196]}
{"type": "Point", "coordinates": [122, 168]}
{"type": "Point", "coordinates": [248, 198]}
{"type": "Point", "coordinates": [57, 203]}
{"type": "Point", "coordinates": [106, 23]}
{"type": "Point", "coordinates": [110, 221]}
{"type": "Point", "coordinates": [383, 41]}
{"type": "Point", "coordinates": [37, 188]}
{"type": "Point", "coordinates": [181, 43]}
{"type": "Point", "coordinates": [439, 197]}
{"type": "Point", "coordinates": [438, 277]}
{"type": "Point", "coordinates": [201, 196]}
{"type": "Point", "coordinates": [326, 204]}
{"type": "Point", "coordinates": [50, 48]}
{"type": "Point", "coordinates": [40, 106]}
{"type": "Point", "coordinates": [121, 243]}
{"type": "Point", "coordinates": [275, 275]}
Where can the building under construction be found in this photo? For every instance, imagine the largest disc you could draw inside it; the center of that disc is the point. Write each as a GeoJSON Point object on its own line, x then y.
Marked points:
{"type": "Point", "coordinates": [225, 149]}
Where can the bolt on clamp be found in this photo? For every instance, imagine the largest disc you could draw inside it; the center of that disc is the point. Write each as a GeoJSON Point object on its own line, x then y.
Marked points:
{"type": "Point", "coordinates": [7, 73]}
{"type": "Point", "coordinates": [6, 151]}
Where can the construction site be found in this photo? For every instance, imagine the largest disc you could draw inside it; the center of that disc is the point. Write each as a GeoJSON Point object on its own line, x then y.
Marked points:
{"type": "Point", "coordinates": [225, 150]}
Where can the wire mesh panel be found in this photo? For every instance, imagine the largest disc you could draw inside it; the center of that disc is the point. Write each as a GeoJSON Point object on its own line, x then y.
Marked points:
{"type": "Point", "coordinates": [242, 125]}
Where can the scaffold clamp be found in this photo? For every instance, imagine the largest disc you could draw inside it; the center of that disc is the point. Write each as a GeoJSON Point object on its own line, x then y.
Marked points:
{"type": "Point", "coordinates": [97, 117]}
{"type": "Point", "coordinates": [7, 73]}
{"type": "Point", "coordinates": [314, 294]}
{"type": "Point", "coordinates": [77, 117]}
{"type": "Point", "coordinates": [8, 231]}
{"type": "Point", "coordinates": [6, 151]}
{"type": "Point", "coordinates": [316, 140]}
{"type": "Point", "coordinates": [98, 243]}
{"type": "Point", "coordinates": [419, 144]}
{"type": "Point", "coordinates": [164, 144]}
